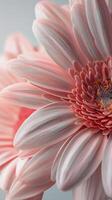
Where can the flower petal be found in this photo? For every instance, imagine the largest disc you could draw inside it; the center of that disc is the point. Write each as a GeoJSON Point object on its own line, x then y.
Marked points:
{"type": "Point", "coordinates": [90, 189]}
{"type": "Point", "coordinates": [50, 10]}
{"type": "Point", "coordinates": [80, 159]}
{"type": "Point", "coordinates": [57, 159]}
{"type": "Point", "coordinates": [107, 169]}
{"type": "Point", "coordinates": [17, 44]}
{"type": "Point", "coordinates": [47, 126]}
{"type": "Point", "coordinates": [100, 24]}
{"type": "Point", "coordinates": [7, 156]}
{"type": "Point", "coordinates": [7, 175]}
{"type": "Point", "coordinates": [20, 191]}
{"type": "Point", "coordinates": [80, 24]}
{"type": "Point", "coordinates": [37, 171]}
{"type": "Point", "coordinates": [43, 73]}
{"type": "Point", "coordinates": [25, 94]}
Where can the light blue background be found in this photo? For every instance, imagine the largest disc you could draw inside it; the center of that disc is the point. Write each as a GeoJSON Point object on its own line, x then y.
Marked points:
{"type": "Point", "coordinates": [17, 15]}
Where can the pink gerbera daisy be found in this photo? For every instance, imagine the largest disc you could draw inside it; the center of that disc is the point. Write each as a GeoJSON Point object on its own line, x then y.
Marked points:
{"type": "Point", "coordinates": [78, 86]}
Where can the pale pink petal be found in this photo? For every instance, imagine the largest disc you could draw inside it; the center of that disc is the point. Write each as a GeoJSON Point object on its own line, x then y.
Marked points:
{"type": "Point", "coordinates": [43, 73]}
{"type": "Point", "coordinates": [6, 78]}
{"type": "Point", "coordinates": [51, 10]}
{"type": "Point", "coordinates": [37, 170]}
{"type": "Point", "coordinates": [107, 169]}
{"type": "Point", "coordinates": [100, 24]}
{"type": "Point", "coordinates": [80, 159]}
{"type": "Point", "coordinates": [20, 191]}
{"type": "Point", "coordinates": [82, 32]}
{"type": "Point", "coordinates": [25, 94]}
{"type": "Point", "coordinates": [19, 165]}
{"type": "Point", "coordinates": [38, 197]}
{"type": "Point", "coordinates": [91, 189]}
{"type": "Point", "coordinates": [109, 3]}
{"type": "Point", "coordinates": [6, 156]}
{"type": "Point", "coordinates": [7, 175]}
{"type": "Point", "coordinates": [17, 44]}
{"type": "Point", "coordinates": [47, 126]}
{"type": "Point", "coordinates": [57, 159]}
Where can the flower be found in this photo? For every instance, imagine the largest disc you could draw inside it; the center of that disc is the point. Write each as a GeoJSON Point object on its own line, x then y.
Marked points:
{"type": "Point", "coordinates": [12, 161]}
{"type": "Point", "coordinates": [77, 81]}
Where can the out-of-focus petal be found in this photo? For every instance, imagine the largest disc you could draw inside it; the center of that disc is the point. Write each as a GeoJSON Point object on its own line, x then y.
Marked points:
{"type": "Point", "coordinates": [17, 44]}
{"type": "Point", "coordinates": [43, 73]}
{"type": "Point", "coordinates": [7, 175]}
{"type": "Point", "coordinates": [107, 169]}
{"type": "Point", "coordinates": [80, 159]}
{"type": "Point", "coordinates": [7, 156]}
{"type": "Point", "coordinates": [20, 191]}
{"type": "Point", "coordinates": [90, 189]}
{"type": "Point", "coordinates": [47, 126]}
{"type": "Point", "coordinates": [109, 3]}
{"type": "Point", "coordinates": [100, 24]}
{"type": "Point", "coordinates": [25, 94]}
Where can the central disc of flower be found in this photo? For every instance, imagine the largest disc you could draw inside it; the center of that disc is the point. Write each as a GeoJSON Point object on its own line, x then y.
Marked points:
{"type": "Point", "coordinates": [104, 95]}
{"type": "Point", "coordinates": [92, 94]}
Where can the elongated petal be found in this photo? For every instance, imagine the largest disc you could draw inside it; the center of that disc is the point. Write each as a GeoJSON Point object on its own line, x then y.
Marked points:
{"type": "Point", "coordinates": [107, 169]}
{"type": "Point", "coordinates": [91, 189]}
{"type": "Point", "coordinates": [43, 73]}
{"type": "Point", "coordinates": [57, 159]}
{"type": "Point", "coordinates": [53, 28]}
{"type": "Point", "coordinates": [7, 175]}
{"type": "Point", "coordinates": [37, 171]}
{"type": "Point", "coordinates": [47, 126]}
{"type": "Point", "coordinates": [80, 24]}
{"type": "Point", "coordinates": [80, 158]}
{"type": "Point", "coordinates": [51, 10]}
{"type": "Point", "coordinates": [17, 44]}
{"type": "Point", "coordinates": [25, 94]}
{"type": "Point", "coordinates": [20, 191]}
{"type": "Point", "coordinates": [109, 3]}
{"type": "Point", "coordinates": [7, 156]}
{"type": "Point", "coordinates": [100, 24]}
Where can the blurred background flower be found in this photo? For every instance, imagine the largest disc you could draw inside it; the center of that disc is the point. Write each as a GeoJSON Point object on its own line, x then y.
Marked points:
{"type": "Point", "coordinates": [18, 16]}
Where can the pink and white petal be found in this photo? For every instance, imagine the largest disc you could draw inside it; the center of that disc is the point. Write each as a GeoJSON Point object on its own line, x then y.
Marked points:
{"type": "Point", "coordinates": [50, 10]}
{"type": "Point", "coordinates": [47, 126]}
{"type": "Point", "coordinates": [58, 43]}
{"type": "Point", "coordinates": [20, 191]}
{"type": "Point", "coordinates": [81, 158]}
{"type": "Point", "coordinates": [9, 78]}
{"type": "Point", "coordinates": [100, 24]}
{"type": "Point", "coordinates": [107, 168]}
{"type": "Point", "coordinates": [6, 156]}
{"type": "Point", "coordinates": [90, 189]}
{"type": "Point", "coordinates": [25, 94]}
{"type": "Point", "coordinates": [38, 197]}
{"type": "Point", "coordinates": [20, 165]}
{"type": "Point", "coordinates": [85, 40]}
{"type": "Point", "coordinates": [7, 175]}
{"type": "Point", "coordinates": [57, 159]}
{"type": "Point", "coordinates": [17, 44]}
{"type": "Point", "coordinates": [37, 171]}
{"type": "Point", "coordinates": [109, 3]}
{"type": "Point", "coordinates": [43, 73]}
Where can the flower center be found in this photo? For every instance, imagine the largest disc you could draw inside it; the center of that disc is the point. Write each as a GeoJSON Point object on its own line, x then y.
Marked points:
{"type": "Point", "coordinates": [91, 97]}
{"type": "Point", "coordinates": [104, 95]}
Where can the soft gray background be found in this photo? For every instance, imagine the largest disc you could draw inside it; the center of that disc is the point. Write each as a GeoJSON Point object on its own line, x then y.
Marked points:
{"type": "Point", "coordinates": [17, 15]}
